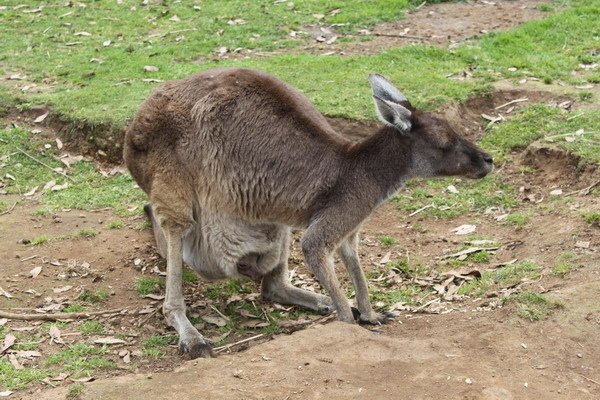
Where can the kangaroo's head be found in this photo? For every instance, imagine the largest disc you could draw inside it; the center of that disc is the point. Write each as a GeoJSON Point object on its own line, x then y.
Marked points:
{"type": "Point", "coordinates": [437, 150]}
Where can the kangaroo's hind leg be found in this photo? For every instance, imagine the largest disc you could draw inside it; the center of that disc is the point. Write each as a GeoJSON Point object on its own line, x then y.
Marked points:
{"type": "Point", "coordinates": [276, 285]}
{"type": "Point", "coordinates": [173, 218]}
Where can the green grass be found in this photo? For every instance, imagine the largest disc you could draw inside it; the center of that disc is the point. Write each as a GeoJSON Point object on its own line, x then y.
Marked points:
{"type": "Point", "coordinates": [38, 240]}
{"type": "Point", "coordinates": [473, 196]}
{"type": "Point", "coordinates": [518, 220]}
{"type": "Point", "coordinates": [389, 297]}
{"type": "Point", "coordinates": [74, 308]}
{"type": "Point", "coordinates": [147, 285]}
{"type": "Point", "coordinates": [225, 289]}
{"type": "Point", "coordinates": [81, 359]}
{"type": "Point", "coordinates": [189, 276]}
{"type": "Point", "coordinates": [577, 131]}
{"type": "Point", "coordinates": [387, 240]}
{"type": "Point", "coordinates": [15, 379]}
{"type": "Point", "coordinates": [3, 206]}
{"type": "Point", "coordinates": [565, 263]}
{"type": "Point", "coordinates": [108, 90]}
{"type": "Point", "coordinates": [592, 218]}
{"type": "Point", "coordinates": [87, 233]}
{"type": "Point", "coordinates": [153, 346]}
{"type": "Point", "coordinates": [115, 224]}
{"type": "Point", "coordinates": [97, 296]}
{"type": "Point", "coordinates": [88, 328]}
{"type": "Point", "coordinates": [75, 391]}
{"type": "Point", "coordinates": [533, 306]}
{"type": "Point", "coordinates": [503, 277]}
{"type": "Point", "coordinates": [480, 257]}
{"type": "Point", "coordinates": [89, 190]}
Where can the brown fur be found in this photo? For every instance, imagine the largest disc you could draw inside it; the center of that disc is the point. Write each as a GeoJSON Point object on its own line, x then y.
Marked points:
{"type": "Point", "coordinates": [245, 152]}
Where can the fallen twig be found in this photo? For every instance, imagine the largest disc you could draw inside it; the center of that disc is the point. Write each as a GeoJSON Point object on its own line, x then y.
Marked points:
{"type": "Point", "coordinates": [512, 102]}
{"type": "Point", "coordinates": [590, 379]}
{"type": "Point", "coordinates": [585, 191]}
{"type": "Point", "coordinates": [228, 346]}
{"type": "Point", "coordinates": [468, 251]}
{"type": "Point", "coordinates": [10, 209]}
{"type": "Point", "coordinates": [29, 258]}
{"type": "Point", "coordinates": [56, 317]}
{"type": "Point", "coordinates": [43, 164]}
{"type": "Point", "coordinates": [421, 209]}
{"type": "Point", "coordinates": [400, 36]}
{"type": "Point", "coordinates": [147, 318]}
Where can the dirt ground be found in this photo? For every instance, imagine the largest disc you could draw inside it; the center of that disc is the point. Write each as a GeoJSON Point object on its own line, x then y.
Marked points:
{"type": "Point", "coordinates": [474, 348]}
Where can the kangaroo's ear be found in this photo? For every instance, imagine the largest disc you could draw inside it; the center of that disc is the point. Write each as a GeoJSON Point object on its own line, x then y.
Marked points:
{"type": "Point", "coordinates": [384, 89]}
{"type": "Point", "coordinates": [387, 102]}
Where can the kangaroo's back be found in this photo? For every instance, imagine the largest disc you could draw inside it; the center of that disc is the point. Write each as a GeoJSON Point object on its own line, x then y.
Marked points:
{"type": "Point", "coordinates": [247, 142]}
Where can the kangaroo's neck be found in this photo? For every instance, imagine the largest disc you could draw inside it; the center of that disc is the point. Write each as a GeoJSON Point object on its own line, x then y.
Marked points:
{"type": "Point", "coordinates": [386, 159]}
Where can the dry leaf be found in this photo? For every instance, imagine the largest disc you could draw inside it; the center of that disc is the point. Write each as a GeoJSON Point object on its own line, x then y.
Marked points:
{"type": "Point", "coordinates": [218, 321]}
{"type": "Point", "coordinates": [150, 68]}
{"type": "Point", "coordinates": [49, 184]}
{"type": "Point", "coordinates": [5, 293]}
{"type": "Point", "coordinates": [247, 314]}
{"type": "Point", "coordinates": [452, 189]}
{"type": "Point", "coordinates": [28, 354]}
{"type": "Point", "coordinates": [256, 323]}
{"type": "Point", "coordinates": [154, 296]}
{"type": "Point", "coordinates": [55, 335]}
{"type": "Point", "coordinates": [82, 34]}
{"type": "Point", "coordinates": [23, 329]}
{"type": "Point", "coordinates": [31, 192]}
{"type": "Point", "coordinates": [6, 393]}
{"type": "Point", "coordinates": [9, 340]}
{"type": "Point", "coordinates": [56, 188]}
{"type": "Point", "coordinates": [109, 340]}
{"type": "Point", "coordinates": [41, 118]}
{"type": "Point", "coordinates": [386, 258]}
{"type": "Point", "coordinates": [175, 18]}
{"type": "Point", "coordinates": [59, 143]}
{"type": "Point", "coordinates": [464, 229]}
{"type": "Point", "coordinates": [84, 380]}
{"type": "Point", "coordinates": [35, 272]}
{"type": "Point", "coordinates": [62, 289]}
{"type": "Point", "coordinates": [3, 321]}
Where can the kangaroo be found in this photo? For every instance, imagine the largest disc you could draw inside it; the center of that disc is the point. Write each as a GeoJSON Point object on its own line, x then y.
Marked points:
{"type": "Point", "coordinates": [232, 158]}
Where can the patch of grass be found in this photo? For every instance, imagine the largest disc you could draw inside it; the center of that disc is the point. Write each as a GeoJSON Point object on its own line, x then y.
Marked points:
{"type": "Point", "coordinates": [533, 306]}
{"type": "Point", "coordinates": [153, 346]}
{"type": "Point", "coordinates": [75, 391]}
{"type": "Point", "coordinates": [506, 276]}
{"type": "Point", "coordinates": [189, 276]}
{"type": "Point", "coordinates": [545, 7]}
{"type": "Point", "coordinates": [592, 218]}
{"type": "Point", "coordinates": [82, 359]}
{"type": "Point", "coordinates": [87, 233]}
{"type": "Point", "coordinates": [226, 289]}
{"type": "Point", "coordinates": [518, 220]}
{"type": "Point", "coordinates": [38, 240]}
{"type": "Point", "coordinates": [585, 95]}
{"type": "Point", "coordinates": [387, 240]}
{"type": "Point", "coordinates": [88, 191]}
{"type": "Point", "coordinates": [580, 134]}
{"type": "Point", "coordinates": [564, 264]}
{"type": "Point", "coordinates": [97, 296]}
{"type": "Point", "coordinates": [88, 328]}
{"type": "Point", "coordinates": [74, 308]}
{"type": "Point", "coordinates": [406, 295]}
{"type": "Point", "coordinates": [41, 212]}
{"type": "Point", "coordinates": [115, 224]}
{"type": "Point", "coordinates": [3, 206]}
{"type": "Point", "coordinates": [17, 379]}
{"type": "Point", "coordinates": [147, 285]}
{"type": "Point", "coordinates": [473, 196]}
{"type": "Point", "coordinates": [480, 257]}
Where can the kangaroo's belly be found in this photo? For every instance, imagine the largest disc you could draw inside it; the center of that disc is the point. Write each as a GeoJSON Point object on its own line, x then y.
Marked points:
{"type": "Point", "coordinates": [220, 246]}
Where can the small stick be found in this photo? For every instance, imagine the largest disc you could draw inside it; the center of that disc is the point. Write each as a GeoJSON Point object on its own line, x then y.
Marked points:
{"type": "Point", "coordinates": [56, 317]}
{"type": "Point", "coordinates": [44, 164]}
{"type": "Point", "coordinates": [585, 191]}
{"type": "Point", "coordinates": [400, 36]}
{"type": "Point", "coordinates": [590, 379]}
{"type": "Point", "coordinates": [228, 346]}
{"type": "Point", "coordinates": [420, 5]}
{"type": "Point", "coordinates": [29, 258]}
{"type": "Point", "coordinates": [225, 317]}
{"type": "Point", "coordinates": [147, 318]}
{"type": "Point", "coordinates": [437, 300]}
{"type": "Point", "coordinates": [575, 116]}
{"type": "Point", "coordinates": [420, 209]}
{"type": "Point", "coordinates": [10, 209]}
{"type": "Point", "coordinates": [512, 102]}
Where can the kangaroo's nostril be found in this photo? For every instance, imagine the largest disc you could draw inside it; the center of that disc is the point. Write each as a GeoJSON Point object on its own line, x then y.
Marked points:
{"type": "Point", "coordinates": [488, 159]}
